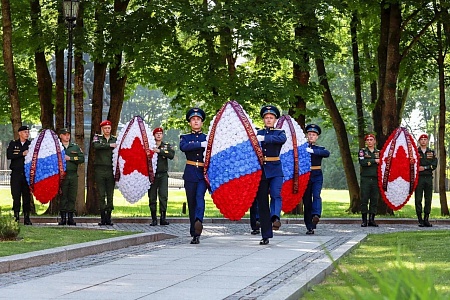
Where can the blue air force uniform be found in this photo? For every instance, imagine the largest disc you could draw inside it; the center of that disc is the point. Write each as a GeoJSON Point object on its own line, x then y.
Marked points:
{"type": "Point", "coordinates": [194, 180]}
{"type": "Point", "coordinates": [272, 175]}
{"type": "Point", "coordinates": [312, 201]}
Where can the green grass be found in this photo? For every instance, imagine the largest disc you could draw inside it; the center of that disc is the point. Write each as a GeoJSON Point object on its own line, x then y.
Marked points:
{"type": "Point", "coordinates": [33, 238]}
{"type": "Point", "coordinates": [373, 267]}
{"type": "Point", "coordinates": [335, 205]}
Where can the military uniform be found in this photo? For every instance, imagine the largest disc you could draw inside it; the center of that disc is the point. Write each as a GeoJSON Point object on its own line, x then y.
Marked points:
{"type": "Point", "coordinates": [312, 201]}
{"type": "Point", "coordinates": [428, 160]}
{"type": "Point", "coordinates": [160, 187]}
{"type": "Point", "coordinates": [19, 184]}
{"type": "Point", "coordinates": [69, 186]}
{"type": "Point", "coordinates": [104, 177]}
{"type": "Point", "coordinates": [194, 180]}
{"type": "Point", "coordinates": [369, 183]}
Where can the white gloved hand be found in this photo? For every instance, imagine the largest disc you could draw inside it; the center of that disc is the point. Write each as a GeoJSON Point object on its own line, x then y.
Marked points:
{"type": "Point", "coordinates": [204, 144]}
{"type": "Point", "coordinates": [309, 150]}
{"type": "Point", "coordinates": [260, 138]}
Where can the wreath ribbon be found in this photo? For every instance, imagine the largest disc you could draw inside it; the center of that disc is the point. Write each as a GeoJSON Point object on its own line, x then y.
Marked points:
{"type": "Point", "coordinates": [288, 119]}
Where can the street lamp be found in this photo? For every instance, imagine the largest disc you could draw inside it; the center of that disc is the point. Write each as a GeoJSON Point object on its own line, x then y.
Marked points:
{"type": "Point", "coordinates": [70, 8]}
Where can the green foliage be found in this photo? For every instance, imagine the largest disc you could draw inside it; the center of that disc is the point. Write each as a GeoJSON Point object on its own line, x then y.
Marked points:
{"type": "Point", "coordinates": [9, 229]}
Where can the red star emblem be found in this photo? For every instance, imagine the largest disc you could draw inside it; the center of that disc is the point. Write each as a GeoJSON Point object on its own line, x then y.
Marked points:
{"type": "Point", "coordinates": [400, 166]}
{"type": "Point", "coordinates": [135, 158]}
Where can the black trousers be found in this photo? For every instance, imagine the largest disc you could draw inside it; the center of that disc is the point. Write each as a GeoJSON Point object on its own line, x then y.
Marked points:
{"type": "Point", "coordinates": [263, 207]}
{"type": "Point", "coordinates": [20, 191]}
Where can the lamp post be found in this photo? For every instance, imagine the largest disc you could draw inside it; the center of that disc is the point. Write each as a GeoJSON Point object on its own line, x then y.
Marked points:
{"type": "Point", "coordinates": [70, 8]}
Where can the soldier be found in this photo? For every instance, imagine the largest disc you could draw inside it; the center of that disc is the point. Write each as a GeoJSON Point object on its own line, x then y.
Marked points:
{"type": "Point", "coordinates": [271, 139]}
{"type": "Point", "coordinates": [369, 158]}
{"type": "Point", "coordinates": [16, 152]}
{"type": "Point", "coordinates": [160, 187]}
{"type": "Point", "coordinates": [74, 157]}
{"type": "Point", "coordinates": [104, 177]}
{"type": "Point", "coordinates": [193, 145]}
{"type": "Point", "coordinates": [428, 163]}
{"type": "Point", "coordinates": [312, 201]}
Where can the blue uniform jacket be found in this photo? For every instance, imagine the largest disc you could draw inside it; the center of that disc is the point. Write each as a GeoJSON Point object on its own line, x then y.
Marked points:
{"type": "Point", "coordinates": [316, 157]}
{"type": "Point", "coordinates": [190, 145]}
{"type": "Point", "coordinates": [271, 146]}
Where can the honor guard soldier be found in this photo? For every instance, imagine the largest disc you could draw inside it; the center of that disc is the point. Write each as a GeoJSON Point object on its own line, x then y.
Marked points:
{"type": "Point", "coordinates": [369, 158]}
{"type": "Point", "coordinates": [312, 202]}
{"type": "Point", "coordinates": [271, 140]}
{"type": "Point", "coordinates": [160, 186]}
{"type": "Point", "coordinates": [104, 145]}
{"type": "Point", "coordinates": [74, 157]}
{"type": "Point", "coordinates": [428, 163]}
{"type": "Point", "coordinates": [16, 152]}
{"type": "Point", "coordinates": [193, 145]}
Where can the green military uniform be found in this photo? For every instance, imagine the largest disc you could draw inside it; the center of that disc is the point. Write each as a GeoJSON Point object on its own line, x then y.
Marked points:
{"type": "Point", "coordinates": [70, 183]}
{"type": "Point", "coordinates": [104, 177]}
{"type": "Point", "coordinates": [428, 160]}
{"type": "Point", "coordinates": [160, 186]}
{"type": "Point", "coordinates": [369, 183]}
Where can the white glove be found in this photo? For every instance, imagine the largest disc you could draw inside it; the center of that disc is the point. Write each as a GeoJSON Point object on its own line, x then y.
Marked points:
{"type": "Point", "coordinates": [204, 144]}
{"type": "Point", "coordinates": [260, 138]}
{"type": "Point", "coordinates": [309, 150]}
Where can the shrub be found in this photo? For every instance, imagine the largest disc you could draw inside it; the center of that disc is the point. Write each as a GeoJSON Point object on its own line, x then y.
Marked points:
{"type": "Point", "coordinates": [9, 229]}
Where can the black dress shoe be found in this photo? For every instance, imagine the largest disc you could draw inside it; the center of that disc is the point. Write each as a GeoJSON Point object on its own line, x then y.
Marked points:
{"type": "Point", "coordinates": [154, 222]}
{"type": "Point", "coordinates": [255, 232]}
{"type": "Point", "coordinates": [264, 241]}
{"type": "Point", "coordinates": [198, 227]}
{"type": "Point", "coordinates": [195, 240]}
{"type": "Point", "coordinates": [276, 224]}
{"type": "Point", "coordinates": [310, 231]}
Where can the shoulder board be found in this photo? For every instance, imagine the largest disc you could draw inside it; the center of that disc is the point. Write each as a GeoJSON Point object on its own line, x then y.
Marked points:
{"type": "Point", "coordinates": [98, 134]}
{"type": "Point", "coordinates": [113, 136]}
{"type": "Point", "coordinates": [186, 133]}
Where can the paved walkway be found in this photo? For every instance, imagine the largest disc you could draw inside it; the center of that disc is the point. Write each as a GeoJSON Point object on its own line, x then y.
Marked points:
{"type": "Point", "coordinates": [229, 263]}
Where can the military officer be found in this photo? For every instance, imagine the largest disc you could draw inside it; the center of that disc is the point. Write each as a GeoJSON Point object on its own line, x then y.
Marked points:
{"type": "Point", "coordinates": [193, 145]}
{"type": "Point", "coordinates": [104, 145]}
{"type": "Point", "coordinates": [74, 157]}
{"type": "Point", "coordinates": [160, 186]}
{"type": "Point", "coordinates": [428, 163]}
{"type": "Point", "coordinates": [16, 152]}
{"type": "Point", "coordinates": [369, 158]}
{"type": "Point", "coordinates": [271, 140]}
{"type": "Point", "coordinates": [312, 201]}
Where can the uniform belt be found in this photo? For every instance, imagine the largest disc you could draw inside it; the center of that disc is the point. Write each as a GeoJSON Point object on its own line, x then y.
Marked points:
{"type": "Point", "coordinates": [316, 167]}
{"type": "Point", "coordinates": [275, 158]}
{"type": "Point", "coordinates": [195, 163]}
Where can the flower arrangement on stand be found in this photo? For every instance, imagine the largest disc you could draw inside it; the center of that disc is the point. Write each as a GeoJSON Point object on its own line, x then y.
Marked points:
{"type": "Point", "coordinates": [296, 164]}
{"type": "Point", "coordinates": [134, 162]}
{"type": "Point", "coordinates": [45, 166]}
{"type": "Point", "coordinates": [398, 171]}
{"type": "Point", "coordinates": [232, 163]}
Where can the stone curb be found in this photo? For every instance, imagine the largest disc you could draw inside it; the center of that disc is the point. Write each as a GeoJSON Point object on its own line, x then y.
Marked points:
{"type": "Point", "coordinates": [315, 273]}
{"type": "Point", "coordinates": [64, 253]}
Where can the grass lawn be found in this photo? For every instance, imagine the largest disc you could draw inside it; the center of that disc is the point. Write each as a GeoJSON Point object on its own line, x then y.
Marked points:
{"type": "Point", "coordinates": [386, 264]}
{"type": "Point", "coordinates": [32, 238]}
{"type": "Point", "coordinates": [335, 204]}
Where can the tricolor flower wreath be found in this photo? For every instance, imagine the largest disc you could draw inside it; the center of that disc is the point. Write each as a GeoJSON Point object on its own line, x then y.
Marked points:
{"type": "Point", "coordinates": [45, 166]}
{"type": "Point", "coordinates": [398, 169]}
{"type": "Point", "coordinates": [232, 163]}
{"type": "Point", "coordinates": [296, 165]}
{"type": "Point", "coordinates": [134, 162]}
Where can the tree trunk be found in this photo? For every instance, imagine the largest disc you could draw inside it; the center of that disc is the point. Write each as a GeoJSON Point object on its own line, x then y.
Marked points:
{"type": "Point", "coordinates": [8, 60]}
{"type": "Point", "coordinates": [97, 109]}
{"type": "Point", "coordinates": [117, 86]}
{"type": "Point", "coordinates": [341, 134]}
{"type": "Point", "coordinates": [44, 79]}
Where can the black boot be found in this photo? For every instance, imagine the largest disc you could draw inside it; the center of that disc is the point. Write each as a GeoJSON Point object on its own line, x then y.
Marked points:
{"type": "Point", "coordinates": [70, 220]}
{"type": "Point", "coordinates": [364, 220]}
{"type": "Point", "coordinates": [26, 218]}
{"type": "Point", "coordinates": [372, 221]}
{"type": "Point", "coordinates": [163, 221]}
{"type": "Point", "coordinates": [108, 218]}
{"type": "Point", "coordinates": [63, 220]}
{"type": "Point", "coordinates": [419, 218]}
{"type": "Point", "coordinates": [17, 216]}
{"type": "Point", "coordinates": [102, 218]}
{"type": "Point", "coordinates": [154, 218]}
{"type": "Point", "coordinates": [426, 223]}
